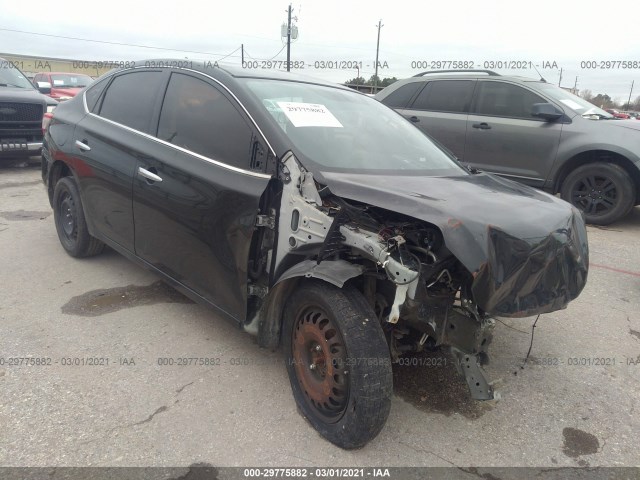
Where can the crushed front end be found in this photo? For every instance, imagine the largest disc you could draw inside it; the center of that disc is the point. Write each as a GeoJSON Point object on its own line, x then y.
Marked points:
{"type": "Point", "coordinates": [434, 271]}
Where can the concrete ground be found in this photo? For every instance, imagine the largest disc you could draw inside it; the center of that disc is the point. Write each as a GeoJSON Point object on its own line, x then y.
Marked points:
{"type": "Point", "coordinates": [576, 402]}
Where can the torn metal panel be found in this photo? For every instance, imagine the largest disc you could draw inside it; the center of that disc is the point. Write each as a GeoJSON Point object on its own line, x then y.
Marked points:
{"type": "Point", "coordinates": [526, 249]}
{"type": "Point", "coordinates": [336, 272]}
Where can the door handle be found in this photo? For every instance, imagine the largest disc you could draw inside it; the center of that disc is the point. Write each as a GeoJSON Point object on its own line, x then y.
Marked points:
{"type": "Point", "coordinates": [143, 172]}
{"type": "Point", "coordinates": [414, 119]}
{"type": "Point", "coordinates": [482, 126]}
{"type": "Point", "coordinates": [82, 145]}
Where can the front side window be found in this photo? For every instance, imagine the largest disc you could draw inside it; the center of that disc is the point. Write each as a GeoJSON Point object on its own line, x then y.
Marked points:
{"type": "Point", "coordinates": [130, 99]}
{"type": "Point", "coordinates": [453, 96]}
{"type": "Point", "coordinates": [197, 116]}
{"type": "Point", "coordinates": [505, 100]}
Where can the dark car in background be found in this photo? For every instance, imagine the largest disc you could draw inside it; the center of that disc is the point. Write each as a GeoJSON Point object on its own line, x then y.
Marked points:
{"type": "Point", "coordinates": [22, 110]}
{"type": "Point", "coordinates": [61, 85]}
{"type": "Point", "coordinates": [530, 131]}
{"type": "Point", "coordinates": [314, 217]}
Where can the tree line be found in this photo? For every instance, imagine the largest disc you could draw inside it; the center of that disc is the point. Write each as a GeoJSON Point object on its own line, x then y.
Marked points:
{"type": "Point", "coordinates": [605, 101]}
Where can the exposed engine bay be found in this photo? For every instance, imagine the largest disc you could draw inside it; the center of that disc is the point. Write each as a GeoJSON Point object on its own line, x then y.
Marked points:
{"type": "Point", "coordinates": [422, 294]}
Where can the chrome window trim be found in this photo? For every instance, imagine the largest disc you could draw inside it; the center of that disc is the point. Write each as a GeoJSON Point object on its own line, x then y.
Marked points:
{"type": "Point", "coordinates": [184, 150]}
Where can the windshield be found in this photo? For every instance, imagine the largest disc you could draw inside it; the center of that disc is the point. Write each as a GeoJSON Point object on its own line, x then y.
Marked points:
{"type": "Point", "coordinates": [575, 103]}
{"type": "Point", "coordinates": [340, 130]}
{"type": "Point", "coordinates": [70, 80]}
{"type": "Point", "coordinates": [10, 76]}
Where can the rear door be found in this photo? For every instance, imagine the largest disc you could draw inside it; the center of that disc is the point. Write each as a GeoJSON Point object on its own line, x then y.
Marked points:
{"type": "Point", "coordinates": [196, 195]}
{"type": "Point", "coordinates": [504, 138]}
{"type": "Point", "coordinates": [109, 142]}
{"type": "Point", "coordinates": [440, 110]}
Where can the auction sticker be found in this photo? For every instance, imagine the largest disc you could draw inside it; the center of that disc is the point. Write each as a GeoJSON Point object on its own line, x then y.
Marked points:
{"type": "Point", "coordinates": [309, 115]}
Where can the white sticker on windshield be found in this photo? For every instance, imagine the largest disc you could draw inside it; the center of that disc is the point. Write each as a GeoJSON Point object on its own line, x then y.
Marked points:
{"type": "Point", "coordinates": [58, 82]}
{"type": "Point", "coordinates": [309, 115]}
{"type": "Point", "coordinates": [571, 104]}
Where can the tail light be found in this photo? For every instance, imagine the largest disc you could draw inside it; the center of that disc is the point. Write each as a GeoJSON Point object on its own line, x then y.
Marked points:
{"type": "Point", "coordinates": [46, 120]}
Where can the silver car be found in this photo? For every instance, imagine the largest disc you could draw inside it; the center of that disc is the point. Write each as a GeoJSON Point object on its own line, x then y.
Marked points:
{"type": "Point", "coordinates": [530, 131]}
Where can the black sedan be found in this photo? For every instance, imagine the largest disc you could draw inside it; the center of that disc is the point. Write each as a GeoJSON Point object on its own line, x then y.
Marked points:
{"type": "Point", "coordinates": [313, 216]}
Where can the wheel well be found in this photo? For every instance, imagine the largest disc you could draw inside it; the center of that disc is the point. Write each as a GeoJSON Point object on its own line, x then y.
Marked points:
{"type": "Point", "coordinates": [59, 169]}
{"type": "Point", "coordinates": [595, 156]}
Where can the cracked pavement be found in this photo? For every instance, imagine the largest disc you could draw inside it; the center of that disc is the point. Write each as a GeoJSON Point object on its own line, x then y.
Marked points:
{"type": "Point", "coordinates": [566, 407]}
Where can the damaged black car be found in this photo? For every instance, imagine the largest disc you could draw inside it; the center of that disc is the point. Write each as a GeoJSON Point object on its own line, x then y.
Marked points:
{"type": "Point", "coordinates": [316, 218]}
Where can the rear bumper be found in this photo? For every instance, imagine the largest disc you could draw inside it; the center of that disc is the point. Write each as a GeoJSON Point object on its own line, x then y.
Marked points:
{"type": "Point", "coordinates": [19, 149]}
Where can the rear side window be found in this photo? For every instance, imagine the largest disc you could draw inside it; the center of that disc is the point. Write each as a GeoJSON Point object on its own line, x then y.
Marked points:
{"type": "Point", "coordinates": [93, 94]}
{"type": "Point", "coordinates": [505, 100]}
{"type": "Point", "coordinates": [130, 99]}
{"type": "Point", "coordinates": [200, 118]}
{"type": "Point", "coordinates": [445, 96]}
{"type": "Point", "coordinates": [401, 97]}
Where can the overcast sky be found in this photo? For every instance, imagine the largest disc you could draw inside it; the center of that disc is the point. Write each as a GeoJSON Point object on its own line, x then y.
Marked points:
{"type": "Point", "coordinates": [566, 32]}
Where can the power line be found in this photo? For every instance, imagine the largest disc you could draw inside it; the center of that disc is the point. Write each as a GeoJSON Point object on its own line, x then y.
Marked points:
{"type": "Point", "coordinates": [118, 43]}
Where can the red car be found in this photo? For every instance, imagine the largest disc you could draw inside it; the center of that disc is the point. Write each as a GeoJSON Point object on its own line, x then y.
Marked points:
{"type": "Point", "coordinates": [60, 85]}
{"type": "Point", "coordinates": [616, 113]}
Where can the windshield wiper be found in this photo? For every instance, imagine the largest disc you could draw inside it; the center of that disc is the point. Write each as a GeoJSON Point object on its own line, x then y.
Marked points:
{"type": "Point", "coordinates": [10, 85]}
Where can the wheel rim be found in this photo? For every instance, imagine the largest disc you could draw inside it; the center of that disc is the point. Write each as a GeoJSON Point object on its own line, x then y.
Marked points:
{"type": "Point", "coordinates": [66, 218]}
{"type": "Point", "coordinates": [319, 356]}
{"type": "Point", "coordinates": [595, 194]}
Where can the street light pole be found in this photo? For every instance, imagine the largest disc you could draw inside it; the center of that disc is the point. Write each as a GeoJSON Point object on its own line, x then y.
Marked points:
{"type": "Point", "coordinates": [289, 40]}
{"type": "Point", "coordinates": [375, 78]}
{"type": "Point", "coordinates": [630, 92]}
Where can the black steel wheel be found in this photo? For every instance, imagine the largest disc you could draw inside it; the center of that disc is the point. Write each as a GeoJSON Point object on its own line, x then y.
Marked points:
{"type": "Point", "coordinates": [70, 222]}
{"type": "Point", "coordinates": [603, 191]}
{"type": "Point", "coordinates": [338, 363]}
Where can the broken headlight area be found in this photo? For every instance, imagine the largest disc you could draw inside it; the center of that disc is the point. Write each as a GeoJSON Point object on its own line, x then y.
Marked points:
{"type": "Point", "coordinates": [432, 282]}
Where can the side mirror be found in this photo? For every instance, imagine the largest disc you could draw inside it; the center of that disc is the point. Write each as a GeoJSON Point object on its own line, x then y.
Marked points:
{"type": "Point", "coordinates": [546, 111]}
{"type": "Point", "coordinates": [44, 87]}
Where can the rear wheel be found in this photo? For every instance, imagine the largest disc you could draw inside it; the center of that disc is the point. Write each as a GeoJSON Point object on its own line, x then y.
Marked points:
{"type": "Point", "coordinates": [70, 222]}
{"type": "Point", "coordinates": [338, 363]}
{"type": "Point", "coordinates": [603, 191]}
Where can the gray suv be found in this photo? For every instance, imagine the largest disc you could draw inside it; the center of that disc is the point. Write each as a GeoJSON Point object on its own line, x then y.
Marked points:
{"type": "Point", "coordinates": [530, 131]}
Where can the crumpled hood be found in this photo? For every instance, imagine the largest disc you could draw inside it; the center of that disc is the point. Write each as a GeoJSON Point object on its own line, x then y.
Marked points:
{"type": "Point", "coordinates": [527, 250]}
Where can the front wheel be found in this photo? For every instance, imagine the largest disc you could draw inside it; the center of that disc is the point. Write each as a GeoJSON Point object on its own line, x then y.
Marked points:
{"type": "Point", "coordinates": [603, 191]}
{"type": "Point", "coordinates": [338, 363]}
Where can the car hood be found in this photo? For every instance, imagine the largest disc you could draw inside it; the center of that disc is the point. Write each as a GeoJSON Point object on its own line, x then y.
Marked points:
{"type": "Point", "coordinates": [630, 123]}
{"type": "Point", "coordinates": [10, 94]}
{"type": "Point", "coordinates": [527, 250]}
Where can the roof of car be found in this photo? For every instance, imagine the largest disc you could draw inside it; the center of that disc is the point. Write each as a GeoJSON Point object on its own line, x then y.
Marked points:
{"type": "Point", "coordinates": [474, 74]}
{"type": "Point", "coordinates": [212, 67]}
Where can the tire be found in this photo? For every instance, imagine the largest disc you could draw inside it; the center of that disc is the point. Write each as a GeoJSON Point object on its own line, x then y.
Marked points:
{"type": "Point", "coordinates": [603, 191]}
{"type": "Point", "coordinates": [70, 223]}
{"type": "Point", "coordinates": [337, 331]}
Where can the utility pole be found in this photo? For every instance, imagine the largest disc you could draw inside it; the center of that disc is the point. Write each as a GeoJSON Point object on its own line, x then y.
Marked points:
{"type": "Point", "coordinates": [242, 53]}
{"type": "Point", "coordinates": [289, 40]}
{"type": "Point", "coordinates": [575, 86]}
{"type": "Point", "coordinates": [375, 78]}
{"type": "Point", "coordinates": [630, 92]}
{"type": "Point", "coordinates": [560, 81]}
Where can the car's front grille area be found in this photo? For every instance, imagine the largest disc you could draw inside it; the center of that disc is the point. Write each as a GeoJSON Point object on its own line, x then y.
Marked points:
{"type": "Point", "coordinates": [20, 112]}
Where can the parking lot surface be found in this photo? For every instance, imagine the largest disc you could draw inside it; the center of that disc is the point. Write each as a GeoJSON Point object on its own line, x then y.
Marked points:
{"type": "Point", "coordinates": [110, 388]}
